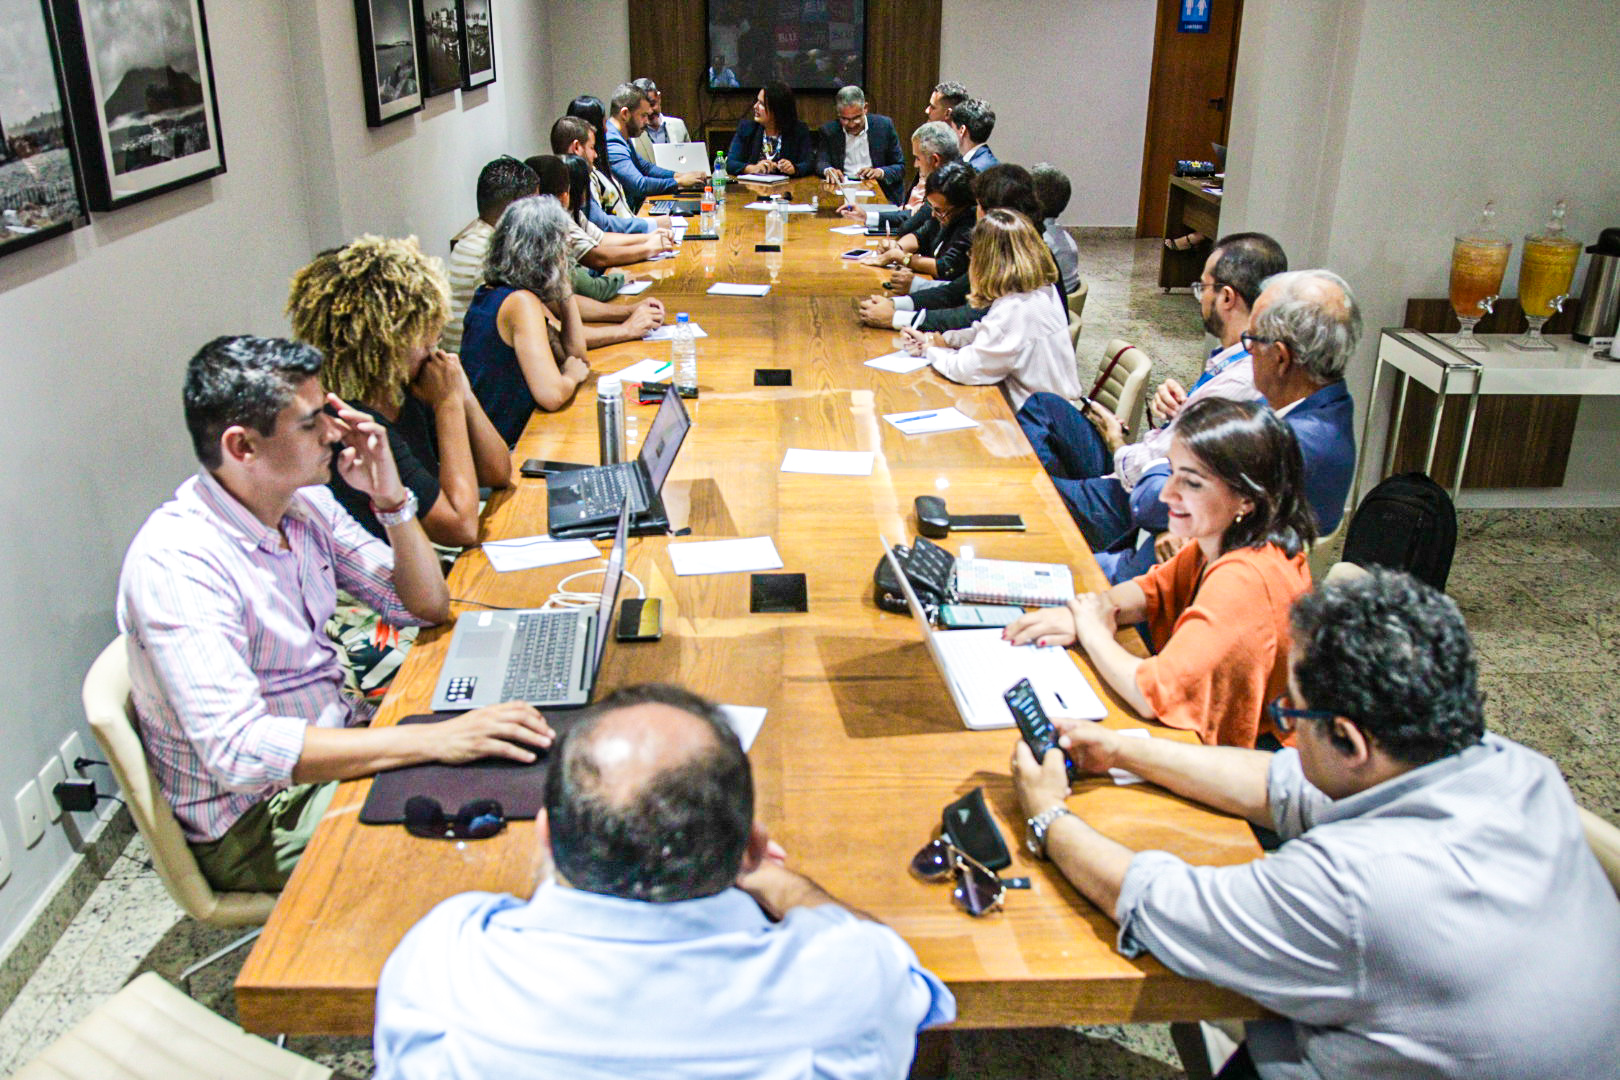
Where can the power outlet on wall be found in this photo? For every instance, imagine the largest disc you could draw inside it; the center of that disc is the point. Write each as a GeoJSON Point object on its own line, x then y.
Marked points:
{"type": "Point", "coordinates": [30, 813]}
{"type": "Point", "coordinates": [71, 750]}
{"type": "Point", "coordinates": [51, 774]}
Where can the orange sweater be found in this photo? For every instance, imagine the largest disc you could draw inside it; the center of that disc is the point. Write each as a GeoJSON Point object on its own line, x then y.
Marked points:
{"type": "Point", "coordinates": [1222, 654]}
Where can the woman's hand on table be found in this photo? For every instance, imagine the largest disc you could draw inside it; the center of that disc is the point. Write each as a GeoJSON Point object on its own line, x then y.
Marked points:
{"type": "Point", "coordinates": [1044, 626]}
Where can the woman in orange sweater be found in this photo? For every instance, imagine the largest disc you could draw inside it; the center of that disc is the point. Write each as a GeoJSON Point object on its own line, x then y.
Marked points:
{"type": "Point", "coordinates": [1218, 610]}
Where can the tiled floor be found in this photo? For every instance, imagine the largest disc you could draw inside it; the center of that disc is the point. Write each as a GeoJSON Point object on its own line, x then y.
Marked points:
{"type": "Point", "coordinates": [1543, 614]}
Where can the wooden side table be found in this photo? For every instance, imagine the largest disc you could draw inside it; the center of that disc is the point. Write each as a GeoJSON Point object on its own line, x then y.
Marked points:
{"type": "Point", "coordinates": [1188, 209]}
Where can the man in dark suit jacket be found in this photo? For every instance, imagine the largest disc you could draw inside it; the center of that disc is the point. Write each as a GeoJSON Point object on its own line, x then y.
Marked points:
{"type": "Point", "coordinates": [861, 146]}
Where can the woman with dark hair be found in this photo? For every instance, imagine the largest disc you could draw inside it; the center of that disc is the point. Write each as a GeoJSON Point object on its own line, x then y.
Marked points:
{"type": "Point", "coordinates": [774, 141]}
{"type": "Point", "coordinates": [612, 212]}
{"type": "Point", "coordinates": [588, 244]}
{"type": "Point", "coordinates": [1218, 610]}
{"type": "Point", "coordinates": [940, 248]}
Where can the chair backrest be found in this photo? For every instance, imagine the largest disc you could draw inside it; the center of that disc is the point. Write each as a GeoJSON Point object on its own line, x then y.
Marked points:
{"type": "Point", "coordinates": [1122, 381]}
{"type": "Point", "coordinates": [111, 713]}
{"type": "Point", "coordinates": [1604, 840]}
{"type": "Point", "coordinates": [1077, 299]}
{"type": "Point", "coordinates": [1340, 573]}
{"type": "Point", "coordinates": [1074, 330]}
{"type": "Point", "coordinates": [151, 1031]}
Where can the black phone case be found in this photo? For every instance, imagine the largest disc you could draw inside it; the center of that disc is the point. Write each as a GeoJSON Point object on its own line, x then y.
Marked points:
{"type": "Point", "coordinates": [968, 825]}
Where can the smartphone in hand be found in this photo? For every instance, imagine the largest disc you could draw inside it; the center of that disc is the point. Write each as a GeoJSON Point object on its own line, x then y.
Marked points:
{"type": "Point", "coordinates": [1034, 724]}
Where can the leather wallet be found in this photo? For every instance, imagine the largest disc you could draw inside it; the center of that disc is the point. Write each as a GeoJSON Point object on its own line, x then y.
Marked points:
{"type": "Point", "coordinates": [970, 828]}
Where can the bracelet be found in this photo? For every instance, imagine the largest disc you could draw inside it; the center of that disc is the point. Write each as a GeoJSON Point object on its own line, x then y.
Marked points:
{"type": "Point", "coordinates": [399, 515]}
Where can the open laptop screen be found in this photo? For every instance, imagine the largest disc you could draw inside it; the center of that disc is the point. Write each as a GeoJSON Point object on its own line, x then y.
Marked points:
{"type": "Point", "coordinates": [612, 578]}
{"type": "Point", "coordinates": [664, 438]}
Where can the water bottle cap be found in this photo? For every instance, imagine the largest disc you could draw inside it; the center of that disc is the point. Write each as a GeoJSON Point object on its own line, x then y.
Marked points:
{"type": "Point", "coordinates": [609, 388]}
{"type": "Point", "coordinates": [682, 317]}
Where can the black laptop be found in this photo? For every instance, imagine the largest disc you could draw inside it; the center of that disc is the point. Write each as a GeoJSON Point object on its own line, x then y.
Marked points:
{"type": "Point", "coordinates": [585, 502]}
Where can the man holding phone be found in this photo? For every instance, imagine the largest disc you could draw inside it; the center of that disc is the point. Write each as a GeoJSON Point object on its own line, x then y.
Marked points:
{"type": "Point", "coordinates": [1434, 908]}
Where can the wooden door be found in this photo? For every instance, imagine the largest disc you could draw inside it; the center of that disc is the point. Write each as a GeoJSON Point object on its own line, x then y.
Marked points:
{"type": "Point", "coordinates": [1188, 103]}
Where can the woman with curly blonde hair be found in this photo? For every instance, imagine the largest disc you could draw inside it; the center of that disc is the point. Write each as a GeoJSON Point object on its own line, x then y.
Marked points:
{"type": "Point", "coordinates": [375, 309]}
{"type": "Point", "coordinates": [1023, 340]}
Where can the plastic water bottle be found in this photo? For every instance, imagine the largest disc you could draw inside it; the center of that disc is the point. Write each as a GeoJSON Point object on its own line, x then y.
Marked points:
{"type": "Point", "coordinates": [683, 352]}
{"type": "Point", "coordinates": [610, 420]}
{"type": "Point", "coordinates": [720, 176]}
{"type": "Point", "coordinates": [706, 220]}
{"type": "Point", "coordinates": [775, 225]}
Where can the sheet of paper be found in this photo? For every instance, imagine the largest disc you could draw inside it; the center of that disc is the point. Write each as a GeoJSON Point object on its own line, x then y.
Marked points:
{"type": "Point", "coordinates": [662, 255]}
{"type": "Point", "coordinates": [1125, 776]}
{"type": "Point", "coordinates": [828, 462]}
{"type": "Point", "coordinates": [785, 207]}
{"type": "Point", "coordinates": [926, 421]}
{"type": "Point", "coordinates": [879, 207]}
{"type": "Point", "coordinates": [528, 552]}
{"type": "Point", "coordinates": [763, 178]}
{"type": "Point", "coordinates": [649, 370]}
{"type": "Point", "coordinates": [635, 288]}
{"type": "Point", "coordinates": [730, 288]}
{"type": "Point", "coordinates": [745, 720]}
{"type": "Point", "coordinates": [901, 363]}
{"type": "Point", "coordinates": [724, 556]}
{"type": "Point", "coordinates": [667, 332]}
{"type": "Point", "coordinates": [849, 230]}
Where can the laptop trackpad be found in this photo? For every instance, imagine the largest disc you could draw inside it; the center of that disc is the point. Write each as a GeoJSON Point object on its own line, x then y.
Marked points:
{"type": "Point", "coordinates": [480, 644]}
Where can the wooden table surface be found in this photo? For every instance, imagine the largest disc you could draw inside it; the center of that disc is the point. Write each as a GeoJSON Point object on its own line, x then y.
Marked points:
{"type": "Point", "coordinates": [861, 747]}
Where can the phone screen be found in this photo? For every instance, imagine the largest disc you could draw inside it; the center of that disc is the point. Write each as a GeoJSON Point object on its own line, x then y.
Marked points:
{"type": "Point", "coordinates": [854, 253]}
{"type": "Point", "coordinates": [1026, 708]}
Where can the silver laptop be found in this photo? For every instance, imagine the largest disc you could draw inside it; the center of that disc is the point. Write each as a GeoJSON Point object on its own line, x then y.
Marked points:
{"type": "Point", "coordinates": [682, 157]}
{"type": "Point", "coordinates": [547, 658]}
{"type": "Point", "coordinates": [978, 667]}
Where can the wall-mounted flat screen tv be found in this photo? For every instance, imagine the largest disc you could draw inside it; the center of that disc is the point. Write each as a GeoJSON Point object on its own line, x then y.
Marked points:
{"type": "Point", "coordinates": [808, 44]}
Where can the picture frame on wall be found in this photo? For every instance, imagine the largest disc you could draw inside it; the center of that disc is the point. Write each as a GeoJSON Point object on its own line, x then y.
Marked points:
{"type": "Point", "coordinates": [390, 60]}
{"type": "Point", "coordinates": [477, 42]}
{"type": "Point", "coordinates": [438, 29]}
{"type": "Point", "coordinates": [140, 85]}
{"type": "Point", "coordinates": [41, 185]}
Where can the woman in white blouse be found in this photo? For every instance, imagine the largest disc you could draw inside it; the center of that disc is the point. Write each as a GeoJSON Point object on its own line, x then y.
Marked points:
{"type": "Point", "coordinates": [1023, 341]}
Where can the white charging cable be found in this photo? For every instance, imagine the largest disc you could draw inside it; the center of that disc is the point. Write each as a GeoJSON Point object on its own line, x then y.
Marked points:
{"type": "Point", "coordinates": [565, 597]}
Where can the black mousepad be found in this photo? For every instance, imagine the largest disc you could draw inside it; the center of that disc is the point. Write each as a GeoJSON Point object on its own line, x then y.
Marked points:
{"type": "Point", "coordinates": [519, 788]}
{"type": "Point", "coordinates": [780, 593]}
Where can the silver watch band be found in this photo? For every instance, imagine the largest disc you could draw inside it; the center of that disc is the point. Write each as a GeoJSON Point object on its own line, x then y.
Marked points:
{"type": "Point", "coordinates": [390, 519]}
{"type": "Point", "coordinates": [1040, 825]}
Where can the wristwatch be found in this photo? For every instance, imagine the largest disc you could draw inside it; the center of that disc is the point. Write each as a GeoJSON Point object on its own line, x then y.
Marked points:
{"type": "Point", "coordinates": [1040, 825]}
{"type": "Point", "coordinates": [404, 512]}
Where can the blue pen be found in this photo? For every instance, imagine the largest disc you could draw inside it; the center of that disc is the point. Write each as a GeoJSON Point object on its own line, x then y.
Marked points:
{"type": "Point", "coordinates": [919, 416]}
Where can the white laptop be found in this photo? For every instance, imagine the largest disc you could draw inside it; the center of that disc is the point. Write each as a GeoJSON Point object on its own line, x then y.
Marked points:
{"type": "Point", "coordinates": [978, 667]}
{"type": "Point", "coordinates": [682, 157]}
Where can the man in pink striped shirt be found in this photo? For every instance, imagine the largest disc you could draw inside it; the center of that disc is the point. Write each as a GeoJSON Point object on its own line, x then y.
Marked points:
{"type": "Point", "coordinates": [225, 594]}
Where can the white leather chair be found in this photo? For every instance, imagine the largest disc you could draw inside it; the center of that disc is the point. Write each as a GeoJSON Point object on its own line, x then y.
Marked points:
{"type": "Point", "coordinates": [1077, 305]}
{"type": "Point", "coordinates": [151, 1031]}
{"type": "Point", "coordinates": [1604, 840]}
{"type": "Point", "coordinates": [112, 718]}
{"type": "Point", "coordinates": [1124, 391]}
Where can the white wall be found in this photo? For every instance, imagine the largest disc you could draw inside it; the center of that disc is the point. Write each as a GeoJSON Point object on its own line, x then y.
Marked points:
{"type": "Point", "coordinates": [1069, 83]}
{"type": "Point", "coordinates": [1366, 134]}
{"type": "Point", "coordinates": [590, 50]}
{"type": "Point", "coordinates": [98, 325]}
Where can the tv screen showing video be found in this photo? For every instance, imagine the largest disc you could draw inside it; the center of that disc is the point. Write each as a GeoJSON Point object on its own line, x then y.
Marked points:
{"type": "Point", "coordinates": [808, 44]}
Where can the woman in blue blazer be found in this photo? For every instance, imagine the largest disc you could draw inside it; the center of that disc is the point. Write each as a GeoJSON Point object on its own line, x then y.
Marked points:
{"type": "Point", "coordinates": [774, 141]}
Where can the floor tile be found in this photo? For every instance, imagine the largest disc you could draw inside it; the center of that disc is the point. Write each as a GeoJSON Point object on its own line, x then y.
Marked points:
{"type": "Point", "coordinates": [1131, 1052]}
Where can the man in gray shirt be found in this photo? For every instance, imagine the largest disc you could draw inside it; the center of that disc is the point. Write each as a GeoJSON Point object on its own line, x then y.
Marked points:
{"type": "Point", "coordinates": [1434, 911]}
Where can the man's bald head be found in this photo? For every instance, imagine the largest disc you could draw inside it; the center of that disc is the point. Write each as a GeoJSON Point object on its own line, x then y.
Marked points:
{"type": "Point", "coordinates": [650, 797]}
{"type": "Point", "coordinates": [1313, 312]}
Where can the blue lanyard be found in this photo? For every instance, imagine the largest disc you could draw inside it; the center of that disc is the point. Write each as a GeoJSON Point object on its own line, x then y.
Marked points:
{"type": "Point", "coordinates": [1220, 367]}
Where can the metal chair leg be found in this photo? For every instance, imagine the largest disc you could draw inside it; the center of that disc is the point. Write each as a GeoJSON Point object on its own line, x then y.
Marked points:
{"type": "Point", "coordinates": [185, 976]}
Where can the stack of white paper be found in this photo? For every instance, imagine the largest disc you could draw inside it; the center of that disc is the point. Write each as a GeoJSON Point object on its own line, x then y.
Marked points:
{"type": "Point", "coordinates": [648, 370]}
{"type": "Point", "coordinates": [785, 207]}
{"type": "Point", "coordinates": [745, 720]}
{"type": "Point", "coordinates": [763, 178]}
{"type": "Point", "coordinates": [528, 552]}
{"type": "Point", "coordinates": [727, 288]}
{"type": "Point", "coordinates": [724, 556]}
{"type": "Point", "coordinates": [900, 362]}
{"type": "Point", "coordinates": [667, 332]}
{"type": "Point", "coordinates": [828, 462]}
{"type": "Point", "coordinates": [633, 288]}
{"type": "Point", "coordinates": [926, 421]}
{"type": "Point", "coordinates": [849, 230]}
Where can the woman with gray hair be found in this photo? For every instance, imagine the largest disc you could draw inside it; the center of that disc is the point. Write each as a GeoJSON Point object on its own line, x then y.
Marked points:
{"type": "Point", "coordinates": [512, 355]}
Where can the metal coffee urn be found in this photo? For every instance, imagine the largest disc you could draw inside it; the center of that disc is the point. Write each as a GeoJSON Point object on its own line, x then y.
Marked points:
{"type": "Point", "coordinates": [1600, 301]}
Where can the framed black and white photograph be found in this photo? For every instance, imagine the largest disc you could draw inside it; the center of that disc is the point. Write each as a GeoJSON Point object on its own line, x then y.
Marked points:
{"type": "Point", "coordinates": [438, 26]}
{"type": "Point", "coordinates": [389, 60]}
{"type": "Point", "coordinates": [141, 84]}
{"type": "Point", "coordinates": [41, 188]}
{"type": "Point", "coordinates": [477, 42]}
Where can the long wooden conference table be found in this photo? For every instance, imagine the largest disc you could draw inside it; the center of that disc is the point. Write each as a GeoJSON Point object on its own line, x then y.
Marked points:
{"type": "Point", "coordinates": [861, 747]}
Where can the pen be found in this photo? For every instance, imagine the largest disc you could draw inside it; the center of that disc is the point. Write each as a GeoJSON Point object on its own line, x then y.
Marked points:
{"type": "Point", "coordinates": [919, 416]}
{"type": "Point", "coordinates": [665, 366]}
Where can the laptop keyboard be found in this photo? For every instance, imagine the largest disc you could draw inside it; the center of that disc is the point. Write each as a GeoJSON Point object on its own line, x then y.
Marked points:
{"type": "Point", "coordinates": [603, 491]}
{"type": "Point", "coordinates": [540, 667]}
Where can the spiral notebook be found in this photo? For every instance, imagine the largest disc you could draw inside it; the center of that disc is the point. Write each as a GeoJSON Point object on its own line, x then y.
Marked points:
{"type": "Point", "coordinates": [1003, 581]}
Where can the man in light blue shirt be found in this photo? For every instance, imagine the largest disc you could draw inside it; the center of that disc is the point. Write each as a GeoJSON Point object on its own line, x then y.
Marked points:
{"type": "Point", "coordinates": [668, 938]}
{"type": "Point", "coordinates": [1434, 911]}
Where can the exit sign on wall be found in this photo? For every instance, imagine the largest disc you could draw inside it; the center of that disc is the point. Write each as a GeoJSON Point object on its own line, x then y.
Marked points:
{"type": "Point", "coordinates": [1194, 17]}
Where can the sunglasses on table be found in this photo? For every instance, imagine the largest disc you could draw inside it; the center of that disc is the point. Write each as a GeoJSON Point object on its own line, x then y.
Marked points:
{"type": "Point", "coordinates": [1283, 717]}
{"type": "Point", "coordinates": [477, 820]}
{"type": "Point", "coordinates": [979, 890]}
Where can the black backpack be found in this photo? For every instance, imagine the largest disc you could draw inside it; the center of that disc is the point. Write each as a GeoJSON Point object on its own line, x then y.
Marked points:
{"type": "Point", "coordinates": [1407, 523]}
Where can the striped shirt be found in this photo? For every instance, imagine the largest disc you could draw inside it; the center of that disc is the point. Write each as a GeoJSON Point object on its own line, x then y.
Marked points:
{"type": "Point", "coordinates": [1229, 373]}
{"type": "Point", "coordinates": [466, 274]}
{"type": "Point", "coordinates": [228, 655]}
{"type": "Point", "coordinates": [1450, 922]}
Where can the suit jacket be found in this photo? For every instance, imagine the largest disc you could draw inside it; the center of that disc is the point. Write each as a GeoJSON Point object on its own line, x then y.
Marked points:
{"type": "Point", "coordinates": [638, 176]}
{"type": "Point", "coordinates": [748, 147]}
{"type": "Point", "coordinates": [677, 134]}
{"type": "Point", "coordinates": [884, 143]}
{"type": "Point", "coordinates": [982, 158]}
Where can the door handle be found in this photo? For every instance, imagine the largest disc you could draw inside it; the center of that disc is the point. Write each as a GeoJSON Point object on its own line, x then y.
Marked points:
{"type": "Point", "coordinates": [1218, 103]}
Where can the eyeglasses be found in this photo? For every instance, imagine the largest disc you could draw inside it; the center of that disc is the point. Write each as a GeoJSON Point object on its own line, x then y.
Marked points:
{"type": "Point", "coordinates": [979, 890]}
{"type": "Point", "coordinates": [1251, 340]}
{"type": "Point", "coordinates": [477, 820]}
{"type": "Point", "coordinates": [1283, 717]}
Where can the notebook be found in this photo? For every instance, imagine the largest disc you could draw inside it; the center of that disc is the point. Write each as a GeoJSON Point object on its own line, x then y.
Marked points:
{"type": "Point", "coordinates": [978, 666]}
{"type": "Point", "coordinates": [1004, 581]}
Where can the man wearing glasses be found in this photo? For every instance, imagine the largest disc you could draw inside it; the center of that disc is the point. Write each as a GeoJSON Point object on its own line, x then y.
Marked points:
{"type": "Point", "coordinates": [667, 937]}
{"type": "Point", "coordinates": [1111, 487]}
{"type": "Point", "coordinates": [1434, 910]}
